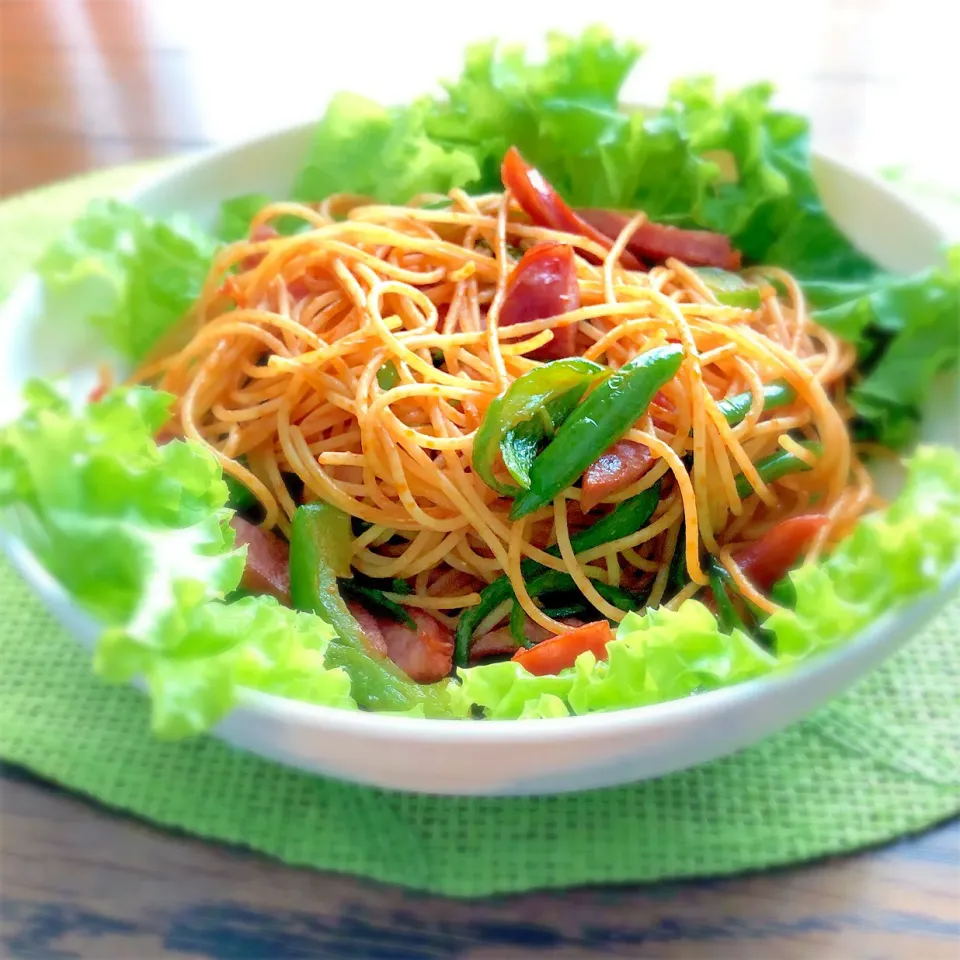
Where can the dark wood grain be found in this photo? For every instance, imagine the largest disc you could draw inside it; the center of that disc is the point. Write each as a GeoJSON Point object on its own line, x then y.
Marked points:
{"type": "Point", "coordinates": [78, 881]}
{"type": "Point", "coordinates": [86, 84]}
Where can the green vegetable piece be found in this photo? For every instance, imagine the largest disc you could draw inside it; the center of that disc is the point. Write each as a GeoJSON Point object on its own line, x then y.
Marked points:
{"type": "Point", "coordinates": [618, 597]}
{"type": "Point", "coordinates": [240, 498]}
{"type": "Point", "coordinates": [727, 615]}
{"type": "Point", "coordinates": [490, 598]}
{"type": "Point", "coordinates": [730, 288]}
{"type": "Point", "coordinates": [556, 581]}
{"type": "Point", "coordinates": [749, 298]}
{"type": "Point", "coordinates": [132, 276]}
{"type": "Point", "coordinates": [777, 394]}
{"type": "Point", "coordinates": [320, 540]}
{"type": "Point", "coordinates": [602, 419]}
{"type": "Point", "coordinates": [628, 517]}
{"type": "Point", "coordinates": [520, 446]}
{"type": "Point", "coordinates": [384, 585]}
{"type": "Point", "coordinates": [514, 423]}
{"type": "Point", "coordinates": [518, 624]}
{"type": "Point", "coordinates": [372, 598]}
{"type": "Point", "coordinates": [566, 610]}
{"type": "Point", "coordinates": [388, 376]}
{"type": "Point", "coordinates": [777, 465]}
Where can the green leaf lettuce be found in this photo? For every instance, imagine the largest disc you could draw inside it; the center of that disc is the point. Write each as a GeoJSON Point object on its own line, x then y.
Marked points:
{"type": "Point", "coordinates": [139, 536]}
{"type": "Point", "coordinates": [133, 276]}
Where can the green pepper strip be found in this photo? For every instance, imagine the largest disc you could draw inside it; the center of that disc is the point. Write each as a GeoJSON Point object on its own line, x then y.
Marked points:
{"type": "Point", "coordinates": [677, 574]}
{"type": "Point", "coordinates": [747, 299]}
{"type": "Point", "coordinates": [518, 626]}
{"type": "Point", "coordinates": [519, 408]}
{"type": "Point", "coordinates": [775, 466]}
{"type": "Point", "coordinates": [556, 581]}
{"type": "Point", "coordinates": [570, 610]}
{"type": "Point", "coordinates": [383, 584]}
{"type": "Point", "coordinates": [777, 394]}
{"type": "Point", "coordinates": [730, 288]}
{"type": "Point", "coordinates": [240, 497]}
{"type": "Point", "coordinates": [628, 517]}
{"type": "Point", "coordinates": [320, 545]}
{"type": "Point", "coordinates": [602, 419]}
{"type": "Point", "coordinates": [372, 598]}
{"type": "Point", "coordinates": [520, 446]}
{"type": "Point", "coordinates": [727, 615]}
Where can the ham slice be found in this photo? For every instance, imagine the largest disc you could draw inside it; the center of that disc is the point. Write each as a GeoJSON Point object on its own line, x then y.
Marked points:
{"type": "Point", "coordinates": [657, 242]}
{"type": "Point", "coordinates": [268, 560]}
{"type": "Point", "coordinates": [624, 463]}
{"type": "Point", "coordinates": [496, 643]}
{"type": "Point", "coordinates": [370, 626]}
{"type": "Point", "coordinates": [500, 642]}
{"type": "Point", "coordinates": [424, 654]}
{"type": "Point", "coordinates": [264, 232]}
{"type": "Point", "coordinates": [542, 285]}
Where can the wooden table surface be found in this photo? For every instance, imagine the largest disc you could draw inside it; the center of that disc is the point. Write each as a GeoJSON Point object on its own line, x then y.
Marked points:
{"type": "Point", "coordinates": [84, 85]}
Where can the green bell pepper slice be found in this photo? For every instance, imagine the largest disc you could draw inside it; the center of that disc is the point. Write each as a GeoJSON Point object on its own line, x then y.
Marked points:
{"type": "Point", "coordinates": [320, 551]}
{"type": "Point", "coordinates": [531, 408]}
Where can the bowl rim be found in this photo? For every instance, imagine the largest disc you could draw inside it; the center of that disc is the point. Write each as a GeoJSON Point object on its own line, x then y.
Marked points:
{"type": "Point", "coordinates": [360, 723]}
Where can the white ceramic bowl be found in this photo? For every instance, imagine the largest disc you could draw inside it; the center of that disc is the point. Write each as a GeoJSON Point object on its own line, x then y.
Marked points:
{"type": "Point", "coordinates": [497, 757]}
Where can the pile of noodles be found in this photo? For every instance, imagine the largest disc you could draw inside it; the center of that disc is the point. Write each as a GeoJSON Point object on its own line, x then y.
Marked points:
{"type": "Point", "coordinates": [278, 364]}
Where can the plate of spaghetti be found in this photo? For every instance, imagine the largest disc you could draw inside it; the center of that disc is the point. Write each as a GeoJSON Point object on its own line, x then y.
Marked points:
{"type": "Point", "coordinates": [424, 420]}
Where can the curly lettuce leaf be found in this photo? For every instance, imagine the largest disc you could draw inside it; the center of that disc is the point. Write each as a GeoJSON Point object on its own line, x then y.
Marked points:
{"type": "Point", "coordinates": [907, 330]}
{"type": "Point", "coordinates": [892, 557]}
{"type": "Point", "coordinates": [253, 644]}
{"type": "Point", "coordinates": [666, 655]}
{"type": "Point", "coordinates": [132, 275]}
{"type": "Point", "coordinates": [563, 114]}
{"type": "Point", "coordinates": [363, 148]}
{"type": "Point", "coordinates": [728, 163]}
{"type": "Point", "coordinates": [505, 691]}
{"type": "Point", "coordinates": [139, 536]}
{"type": "Point", "coordinates": [233, 223]}
{"type": "Point", "coordinates": [236, 214]}
{"type": "Point", "coordinates": [765, 198]}
{"type": "Point", "coordinates": [656, 656]}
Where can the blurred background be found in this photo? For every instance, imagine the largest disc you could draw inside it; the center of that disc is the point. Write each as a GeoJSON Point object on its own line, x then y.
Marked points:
{"type": "Point", "coordinates": [89, 83]}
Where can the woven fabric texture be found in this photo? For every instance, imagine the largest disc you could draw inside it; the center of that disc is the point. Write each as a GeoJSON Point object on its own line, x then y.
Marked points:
{"type": "Point", "coordinates": [882, 761]}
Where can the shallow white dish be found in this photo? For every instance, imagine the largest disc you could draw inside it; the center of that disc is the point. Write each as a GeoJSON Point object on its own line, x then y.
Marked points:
{"type": "Point", "coordinates": [497, 757]}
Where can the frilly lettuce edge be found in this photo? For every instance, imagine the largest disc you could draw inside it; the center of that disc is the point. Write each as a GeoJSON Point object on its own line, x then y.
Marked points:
{"type": "Point", "coordinates": [138, 534]}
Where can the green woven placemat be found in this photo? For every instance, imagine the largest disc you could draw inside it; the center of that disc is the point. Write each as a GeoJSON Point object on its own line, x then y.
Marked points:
{"type": "Point", "coordinates": [882, 761]}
